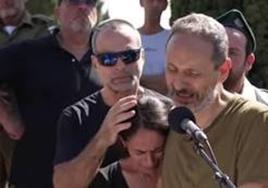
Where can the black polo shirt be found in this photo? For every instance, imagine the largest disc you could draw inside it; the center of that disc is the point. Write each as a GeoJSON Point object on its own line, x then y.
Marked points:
{"type": "Point", "coordinates": [80, 122]}
{"type": "Point", "coordinates": [46, 78]}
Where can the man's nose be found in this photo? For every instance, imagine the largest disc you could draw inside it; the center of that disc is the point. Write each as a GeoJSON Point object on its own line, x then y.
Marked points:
{"type": "Point", "coordinates": [120, 64]}
{"type": "Point", "coordinates": [180, 82]}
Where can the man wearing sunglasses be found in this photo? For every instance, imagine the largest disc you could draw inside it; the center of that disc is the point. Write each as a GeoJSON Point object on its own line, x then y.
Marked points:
{"type": "Point", "coordinates": [88, 130]}
{"type": "Point", "coordinates": [47, 75]}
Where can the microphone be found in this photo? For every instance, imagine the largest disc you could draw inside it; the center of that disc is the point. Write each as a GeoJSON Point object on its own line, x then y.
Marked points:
{"type": "Point", "coordinates": [182, 120]}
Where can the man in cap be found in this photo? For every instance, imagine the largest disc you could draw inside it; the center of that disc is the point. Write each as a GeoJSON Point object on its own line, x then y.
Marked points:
{"type": "Point", "coordinates": [242, 45]}
{"type": "Point", "coordinates": [48, 74]}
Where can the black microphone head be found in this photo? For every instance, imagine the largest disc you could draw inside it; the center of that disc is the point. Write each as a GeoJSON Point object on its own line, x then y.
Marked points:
{"type": "Point", "coordinates": [177, 115]}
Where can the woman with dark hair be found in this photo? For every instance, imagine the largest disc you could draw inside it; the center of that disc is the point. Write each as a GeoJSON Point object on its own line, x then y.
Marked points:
{"type": "Point", "coordinates": [144, 144]}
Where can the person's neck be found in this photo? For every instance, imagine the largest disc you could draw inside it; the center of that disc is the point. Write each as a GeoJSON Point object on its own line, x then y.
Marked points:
{"type": "Point", "coordinates": [235, 87]}
{"type": "Point", "coordinates": [75, 43]}
{"type": "Point", "coordinates": [151, 26]}
{"type": "Point", "coordinates": [206, 116]}
{"type": "Point", "coordinates": [111, 97]}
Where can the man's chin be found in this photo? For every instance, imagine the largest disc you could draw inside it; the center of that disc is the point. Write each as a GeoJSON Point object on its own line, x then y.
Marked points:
{"type": "Point", "coordinates": [186, 103]}
{"type": "Point", "coordinates": [193, 107]}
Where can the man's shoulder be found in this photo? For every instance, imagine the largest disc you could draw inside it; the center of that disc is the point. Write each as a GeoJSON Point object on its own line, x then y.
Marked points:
{"type": "Point", "coordinates": [262, 95]}
{"type": "Point", "coordinates": [246, 108]}
{"type": "Point", "coordinates": [84, 105]}
{"type": "Point", "coordinates": [40, 19]}
{"type": "Point", "coordinates": [30, 46]}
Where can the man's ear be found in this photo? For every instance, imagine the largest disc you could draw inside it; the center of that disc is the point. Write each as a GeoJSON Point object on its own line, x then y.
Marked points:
{"type": "Point", "coordinates": [224, 69]}
{"type": "Point", "coordinates": [250, 60]}
{"type": "Point", "coordinates": [94, 75]}
{"type": "Point", "coordinates": [94, 61]}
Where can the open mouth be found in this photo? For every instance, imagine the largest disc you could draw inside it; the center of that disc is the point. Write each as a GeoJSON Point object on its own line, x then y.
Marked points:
{"type": "Point", "coordinates": [184, 98]}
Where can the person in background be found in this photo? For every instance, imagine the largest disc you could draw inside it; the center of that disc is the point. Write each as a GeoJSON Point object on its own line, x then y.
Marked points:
{"type": "Point", "coordinates": [154, 38]}
{"type": "Point", "coordinates": [16, 24]}
{"type": "Point", "coordinates": [144, 143]}
{"type": "Point", "coordinates": [87, 134]}
{"type": "Point", "coordinates": [242, 45]}
{"type": "Point", "coordinates": [48, 74]}
{"type": "Point", "coordinates": [237, 128]}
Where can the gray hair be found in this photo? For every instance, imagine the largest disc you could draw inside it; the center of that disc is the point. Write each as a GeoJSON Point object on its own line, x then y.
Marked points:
{"type": "Point", "coordinates": [205, 27]}
{"type": "Point", "coordinates": [110, 23]}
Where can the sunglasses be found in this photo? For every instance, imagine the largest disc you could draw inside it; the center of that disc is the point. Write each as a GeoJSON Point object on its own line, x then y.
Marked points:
{"type": "Point", "coordinates": [78, 2]}
{"type": "Point", "coordinates": [111, 59]}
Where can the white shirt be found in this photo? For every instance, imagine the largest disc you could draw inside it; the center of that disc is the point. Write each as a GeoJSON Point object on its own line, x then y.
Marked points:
{"type": "Point", "coordinates": [248, 91]}
{"type": "Point", "coordinates": [154, 48]}
{"type": "Point", "coordinates": [9, 29]}
{"type": "Point", "coordinates": [251, 92]}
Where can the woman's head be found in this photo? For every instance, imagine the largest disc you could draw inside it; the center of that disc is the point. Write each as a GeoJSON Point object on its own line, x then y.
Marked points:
{"type": "Point", "coordinates": [145, 139]}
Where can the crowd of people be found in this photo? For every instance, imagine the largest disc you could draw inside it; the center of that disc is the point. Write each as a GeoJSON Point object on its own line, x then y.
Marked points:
{"type": "Point", "coordinates": [86, 104]}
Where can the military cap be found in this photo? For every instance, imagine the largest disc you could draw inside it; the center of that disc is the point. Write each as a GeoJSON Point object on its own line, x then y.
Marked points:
{"type": "Point", "coordinates": [235, 19]}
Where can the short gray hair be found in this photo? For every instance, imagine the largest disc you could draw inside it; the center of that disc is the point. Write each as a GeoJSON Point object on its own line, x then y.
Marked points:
{"type": "Point", "coordinates": [113, 23]}
{"type": "Point", "coordinates": [205, 27]}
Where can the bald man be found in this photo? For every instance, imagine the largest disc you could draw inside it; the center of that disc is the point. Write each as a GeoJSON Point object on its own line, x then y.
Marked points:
{"type": "Point", "coordinates": [88, 129]}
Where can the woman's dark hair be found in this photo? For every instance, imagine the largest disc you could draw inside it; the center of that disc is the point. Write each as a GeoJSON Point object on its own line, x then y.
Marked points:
{"type": "Point", "coordinates": [151, 114]}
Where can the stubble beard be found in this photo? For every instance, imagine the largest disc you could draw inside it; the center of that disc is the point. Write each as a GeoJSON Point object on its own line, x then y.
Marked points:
{"type": "Point", "coordinates": [202, 101]}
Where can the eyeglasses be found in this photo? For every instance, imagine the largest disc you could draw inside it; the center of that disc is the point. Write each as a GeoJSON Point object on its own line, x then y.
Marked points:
{"type": "Point", "coordinates": [111, 59]}
{"type": "Point", "coordinates": [77, 2]}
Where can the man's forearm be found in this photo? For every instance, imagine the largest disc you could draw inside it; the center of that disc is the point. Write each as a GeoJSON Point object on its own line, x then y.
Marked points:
{"type": "Point", "coordinates": [80, 171]}
{"type": "Point", "coordinates": [10, 117]}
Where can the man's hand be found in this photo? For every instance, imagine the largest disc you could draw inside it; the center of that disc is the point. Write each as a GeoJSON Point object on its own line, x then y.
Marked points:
{"type": "Point", "coordinates": [9, 116]}
{"type": "Point", "coordinates": [116, 119]}
{"type": "Point", "coordinates": [80, 171]}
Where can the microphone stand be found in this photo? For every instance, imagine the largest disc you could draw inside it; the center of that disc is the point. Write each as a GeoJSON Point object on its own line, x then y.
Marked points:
{"type": "Point", "coordinates": [222, 178]}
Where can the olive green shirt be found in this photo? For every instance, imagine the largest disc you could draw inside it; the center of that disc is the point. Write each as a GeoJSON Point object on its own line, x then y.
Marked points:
{"type": "Point", "coordinates": [31, 27]}
{"type": "Point", "coordinates": [239, 138]}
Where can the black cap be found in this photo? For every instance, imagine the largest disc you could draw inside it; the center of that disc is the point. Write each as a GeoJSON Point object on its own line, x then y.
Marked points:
{"type": "Point", "coordinates": [235, 19]}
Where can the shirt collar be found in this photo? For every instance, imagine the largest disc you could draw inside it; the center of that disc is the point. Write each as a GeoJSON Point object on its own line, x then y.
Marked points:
{"type": "Point", "coordinates": [27, 19]}
{"type": "Point", "coordinates": [248, 90]}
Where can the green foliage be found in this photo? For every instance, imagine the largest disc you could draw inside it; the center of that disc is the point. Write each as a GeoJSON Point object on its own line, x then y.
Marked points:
{"type": "Point", "coordinates": [47, 7]}
{"type": "Point", "coordinates": [41, 6]}
{"type": "Point", "coordinates": [256, 13]}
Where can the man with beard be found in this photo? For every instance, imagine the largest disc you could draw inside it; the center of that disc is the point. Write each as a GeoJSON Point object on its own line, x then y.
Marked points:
{"type": "Point", "coordinates": [48, 74]}
{"type": "Point", "coordinates": [154, 38]}
{"type": "Point", "coordinates": [90, 127]}
{"type": "Point", "coordinates": [197, 66]}
{"type": "Point", "coordinates": [242, 45]}
{"type": "Point", "coordinates": [16, 24]}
